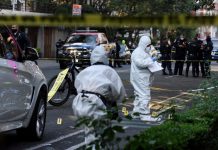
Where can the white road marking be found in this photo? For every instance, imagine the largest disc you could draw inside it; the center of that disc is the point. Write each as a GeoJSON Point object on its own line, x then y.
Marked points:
{"type": "Point", "coordinates": [55, 140]}
{"type": "Point", "coordinates": [74, 147]}
{"type": "Point", "coordinates": [196, 90]}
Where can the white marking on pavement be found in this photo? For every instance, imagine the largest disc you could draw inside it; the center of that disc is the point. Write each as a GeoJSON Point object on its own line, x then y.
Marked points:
{"type": "Point", "coordinates": [209, 88]}
{"type": "Point", "coordinates": [76, 146]}
{"type": "Point", "coordinates": [169, 77]}
{"type": "Point", "coordinates": [55, 140]}
{"type": "Point", "coordinates": [83, 143]}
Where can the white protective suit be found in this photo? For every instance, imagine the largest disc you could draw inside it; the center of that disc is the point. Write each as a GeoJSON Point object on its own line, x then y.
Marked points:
{"type": "Point", "coordinates": [141, 78]}
{"type": "Point", "coordinates": [100, 79]}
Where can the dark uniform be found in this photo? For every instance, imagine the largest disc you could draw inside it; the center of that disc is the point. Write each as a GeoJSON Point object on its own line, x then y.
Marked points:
{"type": "Point", "coordinates": [181, 47]}
{"type": "Point", "coordinates": [201, 54]}
{"type": "Point", "coordinates": [117, 55]}
{"type": "Point", "coordinates": [192, 55]}
{"type": "Point", "coordinates": [207, 56]}
{"type": "Point", "coordinates": [165, 50]}
{"type": "Point", "coordinates": [22, 39]}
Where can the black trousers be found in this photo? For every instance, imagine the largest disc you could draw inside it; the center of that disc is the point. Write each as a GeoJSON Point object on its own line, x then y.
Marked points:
{"type": "Point", "coordinates": [166, 64]}
{"type": "Point", "coordinates": [195, 68]}
{"type": "Point", "coordinates": [179, 67]}
{"type": "Point", "coordinates": [207, 68]}
{"type": "Point", "coordinates": [117, 61]}
{"type": "Point", "coordinates": [202, 64]}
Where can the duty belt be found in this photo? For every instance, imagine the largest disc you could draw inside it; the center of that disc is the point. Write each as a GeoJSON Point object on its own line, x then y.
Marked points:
{"type": "Point", "coordinates": [103, 99]}
{"type": "Point", "coordinates": [110, 105]}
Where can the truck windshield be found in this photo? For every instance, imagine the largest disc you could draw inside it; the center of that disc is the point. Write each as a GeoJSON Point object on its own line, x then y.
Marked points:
{"type": "Point", "coordinates": [89, 39]}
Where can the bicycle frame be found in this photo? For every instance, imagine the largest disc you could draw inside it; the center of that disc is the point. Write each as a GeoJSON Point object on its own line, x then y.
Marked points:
{"type": "Point", "coordinates": [71, 73]}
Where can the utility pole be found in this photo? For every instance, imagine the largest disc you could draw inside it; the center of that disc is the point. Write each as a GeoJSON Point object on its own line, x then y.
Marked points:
{"type": "Point", "coordinates": [13, 3]}
{"type": "Point", "coordinates": [25, 4]}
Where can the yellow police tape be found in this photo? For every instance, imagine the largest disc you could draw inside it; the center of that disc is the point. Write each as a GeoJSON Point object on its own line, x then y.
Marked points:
{"type": "Point", "coordinates": [57, 83]}
{"type": "Point", "coordinates": [128, 60]}
{"type": "Point", "coordinates": [96, 20]}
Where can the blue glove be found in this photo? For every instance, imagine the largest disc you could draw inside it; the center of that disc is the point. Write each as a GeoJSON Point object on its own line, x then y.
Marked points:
{"type": "Point", "coordinates": [154, 58]}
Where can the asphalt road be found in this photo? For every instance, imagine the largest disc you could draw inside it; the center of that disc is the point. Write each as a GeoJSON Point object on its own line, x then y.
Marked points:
{"type": "Point", "coordinates": [165, 90]}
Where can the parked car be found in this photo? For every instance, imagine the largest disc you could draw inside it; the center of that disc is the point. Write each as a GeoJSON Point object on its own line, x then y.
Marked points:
{"type": "Point", "coordinates": [214, 52]}
{"type": "Point", "coordinates": [23, 89]}
{"type": "Point", "coordinates": [79, 46]}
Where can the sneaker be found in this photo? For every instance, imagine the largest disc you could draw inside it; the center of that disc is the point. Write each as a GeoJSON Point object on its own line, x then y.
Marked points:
{"type": "Point", "coordinates": [149, 118]}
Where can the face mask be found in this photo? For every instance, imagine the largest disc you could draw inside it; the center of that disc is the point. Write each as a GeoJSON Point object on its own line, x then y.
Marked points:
{"type": "Point", "coordinates": [148, 48]}
{"type": "Point", "coordinates": [14, 30]}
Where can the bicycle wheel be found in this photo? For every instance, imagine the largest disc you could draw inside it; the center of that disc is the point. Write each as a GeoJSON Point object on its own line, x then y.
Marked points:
{"type": "Point", "coordinates": [63, 92]}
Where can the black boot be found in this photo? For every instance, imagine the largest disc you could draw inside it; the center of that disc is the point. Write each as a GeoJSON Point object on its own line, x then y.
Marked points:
{"type": "Point", "coordinates": [164, 73]}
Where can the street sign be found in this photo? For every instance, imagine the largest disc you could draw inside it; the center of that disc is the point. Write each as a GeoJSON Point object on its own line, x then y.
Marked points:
{"type": "Point", "coordinates": [77, 10]}
{"type": "Point", "coordinates": [13, 2]}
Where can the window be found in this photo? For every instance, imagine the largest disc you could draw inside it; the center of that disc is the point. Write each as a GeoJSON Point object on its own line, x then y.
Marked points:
{"type": "Point", "coordinates": [8, 45]}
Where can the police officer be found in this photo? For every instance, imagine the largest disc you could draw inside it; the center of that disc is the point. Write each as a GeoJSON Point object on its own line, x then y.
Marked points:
{"type": "Point", "coordinates": [117, 54]}
{"type": "Point", "coordinates": [20, 37]}
{"type": "Point", "coordinates": [201, 55]}
{"type": "Point", "coordinates": [165, 50]}
{"type": "Point", "coordinates": [208, 47]}
{"type": "Point", "coordinates": [192, 55]}
{"type": "Point", "coordinates": [181, 47]}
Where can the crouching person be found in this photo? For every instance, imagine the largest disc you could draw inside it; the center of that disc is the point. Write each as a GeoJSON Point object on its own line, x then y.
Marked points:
{"type": "Point", "coordinates": [99, 88]}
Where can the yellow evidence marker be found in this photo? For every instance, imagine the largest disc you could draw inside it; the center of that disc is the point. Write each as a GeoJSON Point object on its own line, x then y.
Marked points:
{"type": "Point", "coordinates": [59, 121]}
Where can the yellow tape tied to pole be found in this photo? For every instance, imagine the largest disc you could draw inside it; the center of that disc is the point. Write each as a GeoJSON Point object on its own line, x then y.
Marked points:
{"type": "Point", "coordinates": [58, 81]}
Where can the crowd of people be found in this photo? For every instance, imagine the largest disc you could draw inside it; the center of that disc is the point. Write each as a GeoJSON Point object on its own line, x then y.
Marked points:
{"type": "Point", "coordinates": [119, 55]}
{"type": "Point", "coordinates": [194, 53]}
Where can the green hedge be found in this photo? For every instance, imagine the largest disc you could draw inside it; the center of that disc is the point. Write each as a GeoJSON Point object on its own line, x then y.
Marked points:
{"type": "Point", "coordinates": [197, 128]}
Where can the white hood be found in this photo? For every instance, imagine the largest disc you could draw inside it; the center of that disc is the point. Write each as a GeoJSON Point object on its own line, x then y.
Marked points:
{"type": "Point", "coordinates": [99, 55]}
{"type": "Point", "coordinates": [144, 42]}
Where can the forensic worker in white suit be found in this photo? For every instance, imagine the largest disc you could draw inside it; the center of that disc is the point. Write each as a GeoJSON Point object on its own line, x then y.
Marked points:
{"type": "Point", "coordinates": [99, 88]}
{"type": "Point", "coordinates": [143, 62]}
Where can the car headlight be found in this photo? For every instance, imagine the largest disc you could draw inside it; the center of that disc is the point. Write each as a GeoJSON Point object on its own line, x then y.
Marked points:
{"type": "Point", "coordinates": [71, 51]}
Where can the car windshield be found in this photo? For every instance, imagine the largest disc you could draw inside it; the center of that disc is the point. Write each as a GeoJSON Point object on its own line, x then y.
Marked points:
{"type": "Point", "coordinates": [89, 39]}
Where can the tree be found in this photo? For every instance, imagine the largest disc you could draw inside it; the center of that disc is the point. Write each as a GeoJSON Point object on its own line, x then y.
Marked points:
{"type": "Point", "coordinates": [42, 6]}
{"type": "Point", "coordinates": [5, 4]}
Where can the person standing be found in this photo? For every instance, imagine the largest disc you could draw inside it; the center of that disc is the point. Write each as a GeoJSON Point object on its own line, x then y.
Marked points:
{"type": "Point", "coordinates": [141, 77]}
{"type": "Point", "coordinates": [201, 55]}
{"type": "Point", "coordinates": [117, 54]}
{"type": "Point", "coordinates": [20, 37]}
{"type": "Point", "coordinates": [207, 55]}
{"type": "Point", "coordinates": [99, 88]}
{"type": "Point", "coordinates": [123, 50]}
{"type": "Point", "coordinates": [165, 50]}
{"type": "Point", "coordinates": [192, 55]}
{"type": "Point", "coordinates": [181, 47]}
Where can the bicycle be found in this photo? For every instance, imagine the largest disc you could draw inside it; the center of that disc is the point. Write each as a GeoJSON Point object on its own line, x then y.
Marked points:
{"type": "Point", "coordinates": [66, 88]}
